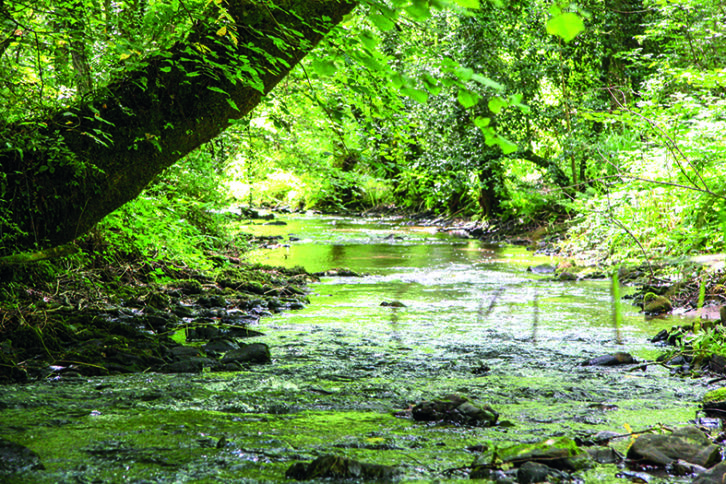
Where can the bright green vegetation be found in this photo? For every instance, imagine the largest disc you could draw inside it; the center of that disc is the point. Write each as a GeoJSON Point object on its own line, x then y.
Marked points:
{"type": "Point", "coordinates": [132, 131]}
{"type": "Point", "coordinates": [621, 129]}
{"type": "Point", "coordinates": [609, 115]}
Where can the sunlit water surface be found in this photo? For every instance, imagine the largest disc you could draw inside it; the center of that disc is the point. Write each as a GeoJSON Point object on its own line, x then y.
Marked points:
{"type": "Point", "coordinates": [345, 365]}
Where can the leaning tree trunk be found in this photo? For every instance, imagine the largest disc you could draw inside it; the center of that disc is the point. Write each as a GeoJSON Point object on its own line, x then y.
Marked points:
{"type": "Point", "coordinates": [61, 174]}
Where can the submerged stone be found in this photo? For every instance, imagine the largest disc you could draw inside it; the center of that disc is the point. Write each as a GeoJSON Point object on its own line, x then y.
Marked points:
{"type": "Point", "coordinates": [614, 359]}
{"type": "Point", "coordinates": [566, 276]}
{"type": "Point", "coordinates": [532, 472]}
{"type": "Point", "coordinates": [393, 304]}
{"type": "Point", "coordinates": [221, 346]}
{"type": "Point", "coordinates": [455, 409]}
{"type": "Point", "coordinates": [251, 353]}
{"type": "Point", "coordinates": [687, 443]}
{"type": "Point", "coordinates": [605, 455]}
{"type": "Point", "coordinates": [190, 365]}
{"type": "Point", "coordinates": [335, 467]}
{"type": "Point", "coordinates": [560, 453]}
{"type": "Point", "coordinates": [715, 475]}
{"type": "Point", "coordinates": [15, 458]}
{"type": "Point", "coordinates": [542, 269]}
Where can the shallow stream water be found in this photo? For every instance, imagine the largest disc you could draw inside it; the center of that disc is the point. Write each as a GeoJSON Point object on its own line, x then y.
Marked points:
{"type": "Point", "coordinates": [475, 322]}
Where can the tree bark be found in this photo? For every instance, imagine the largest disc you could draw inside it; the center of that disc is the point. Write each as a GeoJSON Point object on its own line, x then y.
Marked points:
{"type": "Point", "coordinates": [63, 173]}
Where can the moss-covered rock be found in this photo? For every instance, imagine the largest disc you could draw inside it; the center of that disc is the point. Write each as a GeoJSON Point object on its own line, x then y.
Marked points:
{"type": "Point", "coordinates": [335, 467]}
{"type": "Point", "coordinates": [455, 409]}
{"type": "Point", "coordinates": [559, 453]}
{"type": "Point", "coordinates": [688, 444]}
{"type": "Point", "coordinates": [654, 304]}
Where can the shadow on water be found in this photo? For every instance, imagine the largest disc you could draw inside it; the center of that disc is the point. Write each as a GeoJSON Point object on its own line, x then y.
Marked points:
{"type": "Point", "coordinates": [471, 320]}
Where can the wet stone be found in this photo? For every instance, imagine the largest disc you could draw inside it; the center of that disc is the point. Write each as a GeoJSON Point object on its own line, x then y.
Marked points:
{"type": "Point", "coordinates": [532, 472]}
{"type": "Point", "coordinates": [251, 353]}
{"type": "Point", "coordinates": [335, 467]}
{"type": "Point", "coordinates": [159, 323]}
{"type": "Point", "coordinates": [653, 304]}
{"type": "Point", "coordinates": [185, 351]}
{"type": "Point", "coordinates": [184, 311]}
{"type": "Point", "coordinates": [560, 453]}
{"type": "Point", "coordinates": [221, 346]}
{"type": "Point", "coordinates": [190, 286]}
{"type": "Point", "coordinates": [687, 443]}
{"type": "Point", "coordinates": [566, 276]}
{"type": "Point", "coordinates": [714, 403]}
{"type": "Point", "coordinates": [542, 269]}
{"type": "Point", "coordinates": [239, 332]}
{"type": "Point", "coordinates": [393, 304]}
{"type": "Point", "coordinates": [337, 272]}
{"type": "Point", "coordinates": [15, 458]}
{"type": "Point", "coordinates": [212, 301]}
{"type": "Point", "coordinates": [715, 475]}
{"type": "Point", "coordinates": [614, 359]}
{"type": "Point", "coordinates": [605, 455]}
{"type": "Point", "coordinates": [455, 409]}
{"type": "Point", "coordinates": [190, 365]}
{"type": "Point", "coordinates": [206, 332]}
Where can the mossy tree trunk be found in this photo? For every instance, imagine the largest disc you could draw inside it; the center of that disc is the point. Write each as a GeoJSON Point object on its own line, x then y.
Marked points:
{"type": "Point", "coordinates": [62, 173]}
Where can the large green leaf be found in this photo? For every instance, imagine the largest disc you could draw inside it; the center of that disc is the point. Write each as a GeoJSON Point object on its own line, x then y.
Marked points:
{"type": "Point", "coordinates": [382, 22]}
{"type": "Point", "coordinates": [496, 104]}
{"type": "Point", "coordinates": [324, 67]}
{"type": "Point", "coordinates": [415, 94]}
{"type": "Point", "coordinates": [565, 25]}
{"type": "Point", "coordinates": [506, 146]}
{"type": "Point", "coordinates": [467, 98]}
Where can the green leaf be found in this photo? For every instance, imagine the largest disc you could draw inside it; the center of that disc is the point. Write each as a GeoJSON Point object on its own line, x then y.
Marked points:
{"type": "Point", "coordinates": [232, 104]}
{"type": "Point", "coordinates": [464, 73]}
{"type": "Point", "coordinates": [481, 122]}
{"type": "Point", "coordinates": [506, 146]}
{"type": "Point", "coordinates": [397, 80]}
{"type": "Point", "coordinates": [467, 98]}
{"type": "Point", "coordinates": [419, 10]}
{"type": "Point", "coordinates": [369, 40]}
{"type": "Point", "coordinates": [382, 22]}
{"type": "Point", "coordinates": [496, 104]}
{"type": "Point", "coordinates": [565, 25]}
{"type": "Point", "coordinates": [432, 85]}
{"type": "Point", "coordinates": [487, 82]}
{"type": "Point", "coordinates": [369, 62]}
{"type": "Point", "coordinates": [324, 67]}
{"type": "Point", "coordinates": [468, 3]}
{"type": "Point", "coordinates": [415, 94]}
{"type": "Point", "coordinates": [216, 89]}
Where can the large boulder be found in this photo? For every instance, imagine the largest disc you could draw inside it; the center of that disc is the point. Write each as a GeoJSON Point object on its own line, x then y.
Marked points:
{"type": "Point", "coordinates": [687, 444]}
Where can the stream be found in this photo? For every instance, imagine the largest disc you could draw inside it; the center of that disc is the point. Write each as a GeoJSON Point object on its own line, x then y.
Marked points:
{"type": "Point", "coordinates": [345, 368]}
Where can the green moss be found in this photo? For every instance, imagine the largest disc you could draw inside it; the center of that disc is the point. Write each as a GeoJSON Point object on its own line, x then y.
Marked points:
{"type": "Point", "coordinates": [716, 395]}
